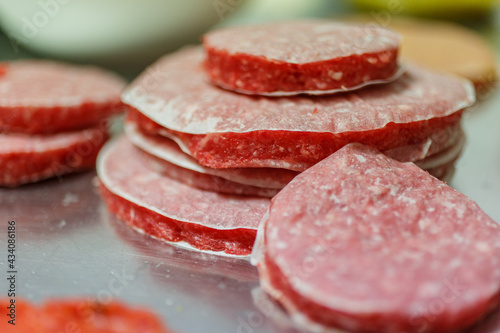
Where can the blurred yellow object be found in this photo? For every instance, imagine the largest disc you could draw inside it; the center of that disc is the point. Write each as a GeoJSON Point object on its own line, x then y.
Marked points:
{"type": "Point", "coordinates": [442, 46]}
{"type": "Point", "coordinates": [448, 47]}
{"type": "Point", "coordinates": [444, 8]}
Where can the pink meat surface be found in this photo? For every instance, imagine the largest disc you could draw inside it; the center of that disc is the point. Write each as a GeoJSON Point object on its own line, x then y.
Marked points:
{"type": "Point", "coordinates": [445, 156]}
{"type": "Point", "coordinates": [169, 151]}
{"type": "Point", "coordinates": [26, 158]}
{"type": "Point", "coordinates": [369, 244]}
{"type": "Point", "coordinates": [40, 97]}
{"type": "Point", "coordinates": [268, 148]}
{"type": "Point", "coordinates": [221, 129]}
{"type": "Point", "coordinates": [172, 211]}
{"type": "Point", "coordinates": [204, 181]}
{"type": "Point", "coordinates": [261, 181]}
{"type": "Point", "coordinates": [315, 57]}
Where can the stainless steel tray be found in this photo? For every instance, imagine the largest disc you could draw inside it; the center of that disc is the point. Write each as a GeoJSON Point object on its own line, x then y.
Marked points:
{"type": "Point", "coordinates": [69, 245]}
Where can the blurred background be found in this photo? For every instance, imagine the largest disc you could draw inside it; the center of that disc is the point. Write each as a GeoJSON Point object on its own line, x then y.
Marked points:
{"type": "Point", "coordinates": [127, 35]}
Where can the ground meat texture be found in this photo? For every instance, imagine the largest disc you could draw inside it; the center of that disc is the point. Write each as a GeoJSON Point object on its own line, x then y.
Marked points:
{"type": "Point", "coordinates": [81, 315]}
{"type": "Point", "coordinates": [300, 150]}
{"type": "Point", "coordinates": [168, 151]}
{"type": "Point", "coordinates": [204, 181]}
{"type": "Point", "coordinates": [226, 130]}
{"type": "Point", "coordinates": [440, 164]}
{"type": "Point", "coordinates": [369, 244]}
{"type": "Point", "coordinates": [171, 211]}
{"type": "Point", "coordinates": [42, 97]}
{"type": "Point", "coordinates": [315, 57]}
{"type": "Point", "coordinates": [26, 159]}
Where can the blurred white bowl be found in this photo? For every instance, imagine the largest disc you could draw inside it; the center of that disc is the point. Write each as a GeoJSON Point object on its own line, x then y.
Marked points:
{"type": "Point", "coordinates": [114, 32]}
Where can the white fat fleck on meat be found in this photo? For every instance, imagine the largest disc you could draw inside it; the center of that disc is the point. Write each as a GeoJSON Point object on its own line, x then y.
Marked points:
{"type": "Point", "coordinates": [391, 252]}
{"type": "Point", "coordinates": [184, 87]}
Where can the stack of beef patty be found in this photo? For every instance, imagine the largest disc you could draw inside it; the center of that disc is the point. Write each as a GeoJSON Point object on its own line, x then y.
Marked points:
{"type": "Point", "coordinates": [53, 118]}
{"type": "Point", "coordinates": [212, 132]}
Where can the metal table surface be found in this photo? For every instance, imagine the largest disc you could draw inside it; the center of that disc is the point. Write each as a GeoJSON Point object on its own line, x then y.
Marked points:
{"type": "Point", "coordinates": [69, 245]}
